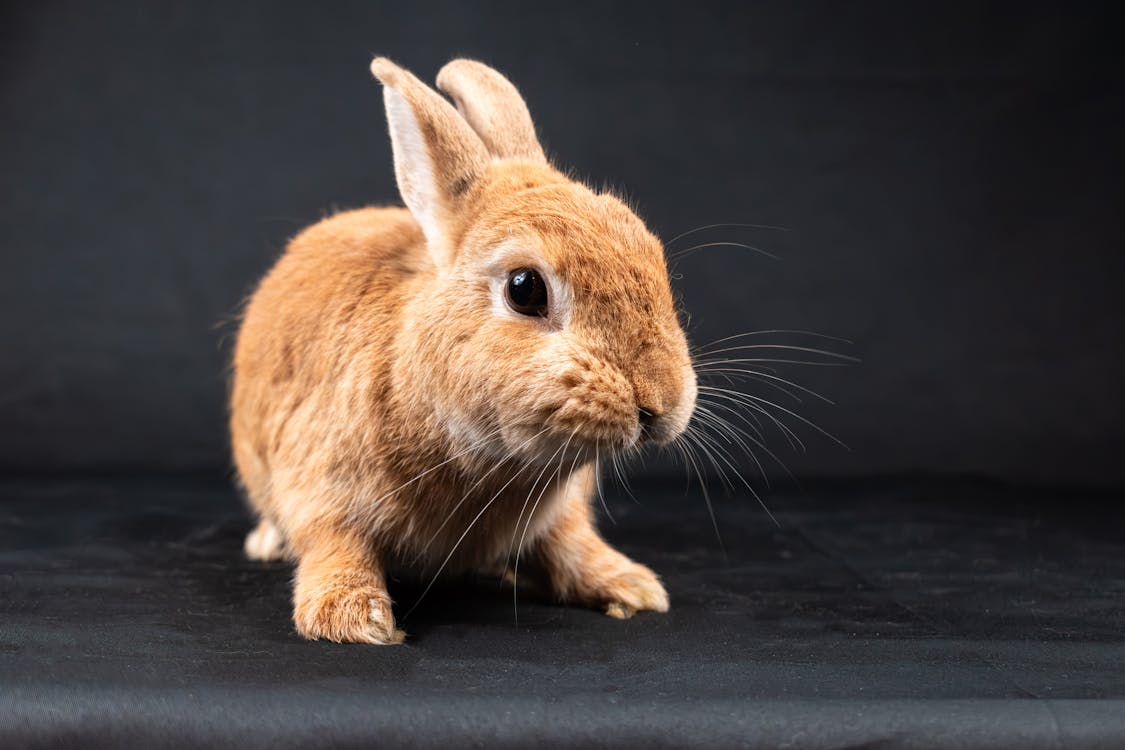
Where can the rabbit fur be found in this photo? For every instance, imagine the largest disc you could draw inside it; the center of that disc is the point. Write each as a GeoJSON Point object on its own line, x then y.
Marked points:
{"type": "Point", "coordinates": [391, 411]}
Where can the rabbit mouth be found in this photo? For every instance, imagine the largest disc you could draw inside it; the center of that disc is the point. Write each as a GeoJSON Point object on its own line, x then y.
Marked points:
{"type": "Point", "coordinates": [585, 423]}
{"type": "Point", "coordinates": [579, 444]}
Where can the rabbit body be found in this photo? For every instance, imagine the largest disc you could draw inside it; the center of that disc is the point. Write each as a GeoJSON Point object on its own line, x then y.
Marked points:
{"type": "Point", "coordinates": [390, 411]}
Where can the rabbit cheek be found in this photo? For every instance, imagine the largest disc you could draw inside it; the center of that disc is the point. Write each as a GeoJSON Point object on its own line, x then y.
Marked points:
{"type": "Point", "coordinates": [598, 407]}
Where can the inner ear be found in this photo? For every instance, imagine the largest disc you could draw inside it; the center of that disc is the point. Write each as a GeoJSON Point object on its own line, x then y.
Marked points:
{"type": "Point", "coordinates": [414, 169]}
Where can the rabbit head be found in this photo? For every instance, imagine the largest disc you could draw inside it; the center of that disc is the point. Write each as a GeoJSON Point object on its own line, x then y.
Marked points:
{"type": "Point", "coordinates": [546, 325]}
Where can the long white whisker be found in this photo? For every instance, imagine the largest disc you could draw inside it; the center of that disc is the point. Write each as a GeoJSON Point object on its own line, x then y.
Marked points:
{"type": "Point", "coordinates": [739, 434]}
{"type": "Point", "coordinates": [677, 446]}
{"type": "Point", "coordinates": [622, 479]}
{"type": "Point", "coordinates": [475, 446]}
{"type": "Point", "coordinates": [749, 418]}
{"type": "Point", "coordinates": [743, 375]}
{"type": "Point", "coordinates": [742, 400]}
{"type": "Point", "coordinates": [515, 529]}
{"type": "Point", "coordinates": [795, 415]}
{"type": "Point", "coordinates": [676, 255]}
{"type": "Point", "coordinates": [745, 417]}
{"type": "Point", "coordinates": [724, 225]}
{"type": "Point", "coordinates": [787, 347]}
{"type": "Point", "coordinates": [724, 429]}
{"type": "Point", "coordinates": [527, 525]}
{"type": "Point", "coordinates": [689, 452]}
{"type": "Point", "coordinates": [774, 360]}
{"type": "Point", "coordinates": [711, 448]}
{"type": "Point", "coordinates": [480, 480]}
{"type": "Point", "coordinates": [461, 538]}
{"type": "Point", "coordinates": [758, 375]}
{"type": "Point", "coordinates": [770, 331]}
{"type": "Point", "coordinates": [598, 481]}
{"type": "Point", "coordinates": [706, 446]}
{"type": "Point", "coordinates": [721, 455]}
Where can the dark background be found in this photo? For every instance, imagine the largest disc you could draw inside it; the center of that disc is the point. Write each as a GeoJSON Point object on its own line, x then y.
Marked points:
{"type": "Point", "coordinates": [950, 177]}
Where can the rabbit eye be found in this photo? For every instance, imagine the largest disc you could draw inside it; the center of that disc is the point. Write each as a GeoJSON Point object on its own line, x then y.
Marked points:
{"type": "Point", "coordinates": [527, 292]}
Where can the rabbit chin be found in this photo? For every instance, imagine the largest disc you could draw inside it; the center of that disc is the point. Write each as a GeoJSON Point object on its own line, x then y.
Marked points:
{"type": "Point", "coordinates": [571, 449]}
{"type": "Point", "coordinates": [567, 445]}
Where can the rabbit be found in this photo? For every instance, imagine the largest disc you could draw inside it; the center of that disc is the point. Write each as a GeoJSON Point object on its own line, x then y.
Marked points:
{"type": "Point", "coordinates": [430, 388]}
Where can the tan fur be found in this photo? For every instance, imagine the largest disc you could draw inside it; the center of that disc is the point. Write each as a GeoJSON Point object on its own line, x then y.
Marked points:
{"type": "Point", "coordinates": [388, 411]}
{"type": "Point", "coordinates": [494, 109]}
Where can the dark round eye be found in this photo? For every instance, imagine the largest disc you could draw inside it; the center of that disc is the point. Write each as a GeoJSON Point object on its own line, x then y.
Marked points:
{"type": "Point", "coordinates": [527, 292]}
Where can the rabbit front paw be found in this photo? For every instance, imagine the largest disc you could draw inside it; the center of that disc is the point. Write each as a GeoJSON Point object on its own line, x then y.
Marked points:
{"type": "Point", "coordinates": [633, 590]}
{"type": "Point", "coordinates": [343, 615]}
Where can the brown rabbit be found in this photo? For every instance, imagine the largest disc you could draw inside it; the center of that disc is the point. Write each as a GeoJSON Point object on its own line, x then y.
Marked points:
{"type": "Point", "coordinates": [431, 388]}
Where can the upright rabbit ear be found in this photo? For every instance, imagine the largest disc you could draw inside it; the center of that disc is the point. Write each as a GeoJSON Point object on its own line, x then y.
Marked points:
{"type": "Point", "coordinates": [493, 107]}
{"type": "Point", "coordinates": [437, 155]}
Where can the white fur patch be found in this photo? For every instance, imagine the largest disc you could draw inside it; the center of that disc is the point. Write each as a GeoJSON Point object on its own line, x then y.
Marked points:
{"type": "Point", "coordinates": [265, 543]}
{"type": "Point", "coordinates": [678, 417]}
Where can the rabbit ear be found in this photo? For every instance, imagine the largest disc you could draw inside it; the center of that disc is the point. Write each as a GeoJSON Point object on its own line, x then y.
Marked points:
{"type": "Point", "coordinates": [437, 155]}
{"type": "Point", "coordinates": [493, 107]}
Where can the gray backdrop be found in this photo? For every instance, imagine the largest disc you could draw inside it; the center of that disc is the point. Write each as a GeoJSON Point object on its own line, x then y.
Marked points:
{"type": "Point", "coordinates": [950, 178]}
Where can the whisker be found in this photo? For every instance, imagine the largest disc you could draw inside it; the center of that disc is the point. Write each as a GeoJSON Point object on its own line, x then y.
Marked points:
{"type": "Point", "coordinates": [739, 398]}
{"type": "Point", "coordinates": [730, 376]}
{"type": "Point", "coordinates": [745, 360]}
{"type": "Point", "coordinates": [749, 418]}
{"type": "Point", "coordinates": [598, 481]}
{"type": "Point", "coordinates": [720, 424]}
{"type": "Point", "coordinates": [739, 434]}
{"type": "Point", "coordinates": [724, 429]}
{"type": "Point", "coordinates": [702, 444]}
{"type": "Point", "coordinates": [622, 477]}
{"type": "Point", "coordinates": [475, 446]}
{"type": "Point", "coordinates": [480, 480]}
{"type": "Point", "coordinates": [743, 416]}
{"type": "Point", "coordinates": [795, 415]}
{"type": "Point", "coordinates": [727, 420]}
{"type": "Point", "coordinates": [753, 492]}
{"type": "Point", "coordinates": [758, 375]}
{"type": "Point", "coordinates": [527, 525]}
{"type": "Point", "coordinates": [680, 453]}
{"type": "Point", "coordinates": [678, 254]}
{"type": "Point", "coordinates": [546, 484]}
{"type": "Point", "coordinates": [770, 331]}
{"type": "Point", "coordinates": [464, 534]}
{"type": "Point", "coordinates": [723, 225]}
{"type": "Point", "coordinates": [788, 347]}
{"type": "Point", "coordinates": [690, 453]}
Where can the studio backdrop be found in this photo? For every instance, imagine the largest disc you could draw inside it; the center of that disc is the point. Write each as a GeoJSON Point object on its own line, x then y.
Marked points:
{"type": "Point", "coordinates": [940, 185]}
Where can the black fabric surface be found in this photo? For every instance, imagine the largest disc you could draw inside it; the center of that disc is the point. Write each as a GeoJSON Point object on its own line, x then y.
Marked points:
{"type": "Point", "coordinates": [922, 614]}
